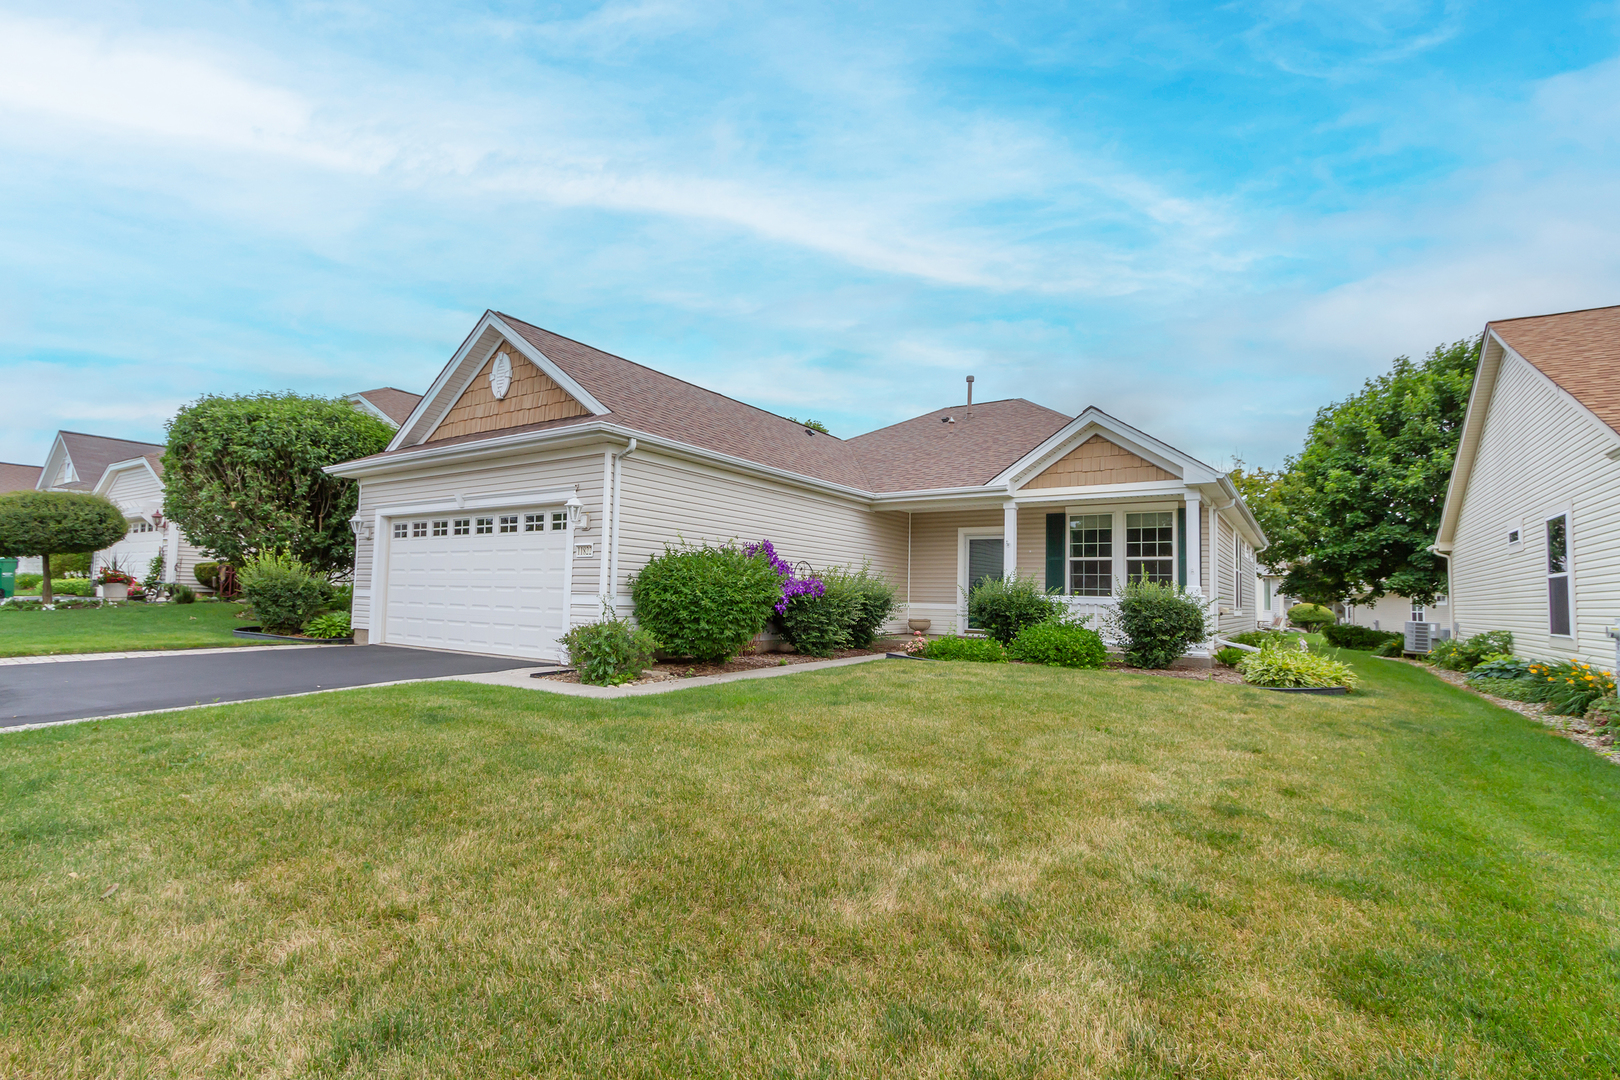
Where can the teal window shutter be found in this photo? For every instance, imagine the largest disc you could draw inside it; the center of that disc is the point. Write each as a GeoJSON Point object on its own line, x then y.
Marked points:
{"type": "Point", "coordinates": [1181, 546]}
{"type": "Point", "coordinates": [1056, 526]}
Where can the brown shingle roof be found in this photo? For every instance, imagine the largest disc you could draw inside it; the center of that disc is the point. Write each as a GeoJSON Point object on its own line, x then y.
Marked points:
{"type": "Point", "coordinates": [979, 442]}
{"type": "Point", "coordinates": [18, 477]}
{"type": "Point", "coordinates": [397, 405]}
{"type": "Point", "coordinates": [92, 454]}
{"type": "Point", "coordinates": [1578, 350]}
{"type": "Point", "coordinates": [917, 454]}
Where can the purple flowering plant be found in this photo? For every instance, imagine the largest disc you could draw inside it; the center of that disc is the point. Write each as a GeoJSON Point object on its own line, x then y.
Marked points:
{"type": "Point", "coordinates": [792, 584]}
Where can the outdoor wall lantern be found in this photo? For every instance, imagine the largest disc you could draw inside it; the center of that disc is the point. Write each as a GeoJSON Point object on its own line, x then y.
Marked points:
{"type": "Point", "coordinates": [360, 527]}
{"type": "Point", "coordinates": [578, 519]}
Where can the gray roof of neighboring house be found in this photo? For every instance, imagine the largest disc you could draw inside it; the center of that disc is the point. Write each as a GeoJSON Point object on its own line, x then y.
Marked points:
{"type": "Point", "coordinates": [18, 477]}
{"type": "Point", "coordinates": [918, 454]}
{"type": "Point", "coordinates": [91, 454]}
{"type": "Point", "coordinates": [395, 404]}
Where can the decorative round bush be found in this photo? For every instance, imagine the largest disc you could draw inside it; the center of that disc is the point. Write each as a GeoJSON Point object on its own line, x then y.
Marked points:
{"type": "Point", "coordinates": [1157, 623]}
{"type": "Point", "coordinates": [979, 650]}
{"type": "Point", "coordinates": [1284, 667]}
{"type": "Point", "coordinates": [1310, 616]}
{"type": "Point", "coordinates": [1004, 607]}
{"type": "Point", "coordinates": [705, 602]}
{"type": "Point", "coordinates": [610, 652]}
{"type": "Point", "coordinates": [283, 591]}
{"type": "Point", "coordinates": [1055, 643]}
{"type": "Point", "coordinates": [206, 573]}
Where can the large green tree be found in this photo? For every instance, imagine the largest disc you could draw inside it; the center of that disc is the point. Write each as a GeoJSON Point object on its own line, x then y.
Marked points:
{"type": "Point", "coordinates": [244, 475]}
{"type": "Point", "coordinates": [46, 523]}
{"type": "Point", "coordinates": [1352, 517]}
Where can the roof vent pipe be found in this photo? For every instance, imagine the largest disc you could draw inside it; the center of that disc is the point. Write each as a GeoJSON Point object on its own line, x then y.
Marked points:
{"type": "Point", "coordinates": [970, 392]}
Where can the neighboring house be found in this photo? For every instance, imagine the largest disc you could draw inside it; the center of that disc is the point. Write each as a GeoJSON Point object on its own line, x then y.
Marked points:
{"type": "Point", "coordinates": [1392, 612]}
{"type": "Point", "coordinates": [539, 474]}
{"type": "Point", "coordinates": [21, 478]}
{"type": "Point", "coordinates": [1270, 605]}
{"type": "Point", "coordinates": [393, 407]}
{"type": "Point", "coordinates": [1531, 523]}
{"type": "Point", "coordinates": [130, 474]}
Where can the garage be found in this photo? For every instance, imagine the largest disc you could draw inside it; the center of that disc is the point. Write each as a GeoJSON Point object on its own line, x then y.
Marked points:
{"type": "Point", "coordinates": [135, 552]}
{"type": "Point", "coordinates": [479, 581]}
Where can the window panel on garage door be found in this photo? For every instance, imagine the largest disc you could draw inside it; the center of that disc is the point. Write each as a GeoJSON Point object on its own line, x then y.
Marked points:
{"type": "Point", "coordinates": [481, 583]}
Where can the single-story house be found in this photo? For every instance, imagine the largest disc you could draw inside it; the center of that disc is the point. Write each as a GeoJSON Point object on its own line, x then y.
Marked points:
{"type": "Point", "coordinates": [1391, 612]}
{"type": "Point", "coordinates": [393, 407]}
{"type": "Point", "coordinates": [538, 474]}
{"type": "Point", "coordinates": [130, 474]}
{"type": "Point", "coordinates": [1531, 524]}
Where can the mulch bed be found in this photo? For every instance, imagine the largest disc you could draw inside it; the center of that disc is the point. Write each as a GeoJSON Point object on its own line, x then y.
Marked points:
{"type": "Point", "coordinates": [1573, 728]}
{"type": "Point", "coordinates": [665, 670]}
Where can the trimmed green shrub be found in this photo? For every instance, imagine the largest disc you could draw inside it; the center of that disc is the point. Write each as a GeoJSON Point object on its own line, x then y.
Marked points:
{"type": "Point", "coordinates": [283, 591]}
{"type": "Point", "coordinates": [1284, 667]}
{"type": "Point", "coordinates": [1064, 645]}
{"type": "Point", "coordinates": [1454, 655]}
{"type": "Point", "coordinates": [1002, 608]}
{"type": "Point", "coordinates": [182, 594]}
{"type": "Point", "coordinates": [76, 586]}
{"type": "Point", "coordinates": [25, 582]}
{"type": "Point", "coordinates": [334, 624]}
{"type": "Point", "coordinates": [76, 565]}
{"type": "Point", "coordinates": [1310, 616]}
{"type": "Point", "coordinates": [206, 573]}
{"type": "Point", "coordinates": [705, 602]}
{"type": "Point", "coordinates": [1257, 638]}
{"type": "Point", "coordinates": [872, 601]}
{"type": "Point", "coordinates": [819, 625]}
{"type": "Point", "coordinates": [1229, 656]}
{"type": "Point", "coordinates": [979, 650]}
{"type": "Point", "coordinates": [1350, 636]}
{"type": "Point", "coordinates": [45, 522]}
{"type": "Point", "coordinates": [610, 652]}
{"type": "Point", "coordinates": [340, 598]}
{"type": "Point", "coordinates": [1156, 623]}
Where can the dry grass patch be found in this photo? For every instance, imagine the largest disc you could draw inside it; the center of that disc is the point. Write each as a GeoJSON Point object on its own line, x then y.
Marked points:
{"type": "Point", "coordinates": [895, 869]}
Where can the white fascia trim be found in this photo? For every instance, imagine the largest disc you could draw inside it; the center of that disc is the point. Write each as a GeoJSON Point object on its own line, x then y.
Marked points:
{"type": "Point", "coordinates": [367, 407]}
{"type": "Point", "coordinates": [104, 485]}
{"type": "Point", "coordinates": [1491, 352]}
{"type": "Point", "coordinates": [1142, 444]}
{"type": "Point", "coordinates": [592, 431]}
{"type": "Point", "coordinates": [53, 464]}
{"type": "Point", "coordinates": [486, 502]}
{"type": "Point", "coordinates": [488, 321]}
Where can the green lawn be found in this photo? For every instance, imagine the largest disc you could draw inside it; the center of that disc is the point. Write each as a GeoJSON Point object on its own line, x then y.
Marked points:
{"type": "Point", "coordinates": [124, 628]}
{"type": "Point", "coordinates": [895, 869]}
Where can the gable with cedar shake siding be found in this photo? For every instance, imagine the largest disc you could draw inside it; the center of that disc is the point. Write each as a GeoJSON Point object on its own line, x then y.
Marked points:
{"type": "Point", "coordinates": [538, 474]}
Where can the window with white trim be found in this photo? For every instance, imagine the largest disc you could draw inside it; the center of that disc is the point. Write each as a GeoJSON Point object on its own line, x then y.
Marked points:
{"type": "Point", "coordinates": [1150, 547]}
{"type": "Point", "coordinates": [509, 523]}
{"type": "Point", "coordinates": [1558, 623]}
{"type": "Point", "coordinates": [1091, 555]}
{"type": "Point", "coordinates": [485, 526]}
{"type": "Point", "coordinates": [1419, 612]}
{"type": "Point", "coordinates": [463, 526]}
{"type": "Point", "coordinates": [534, 523]}
{"type": "Point", "coordinates": [418, 528]}
{"type": "Point", "coordinates": [441, 528]}
{"type": "Point", "coordinates": [559, 521]}
{"type": "Point", "coordinates": [401, 530]}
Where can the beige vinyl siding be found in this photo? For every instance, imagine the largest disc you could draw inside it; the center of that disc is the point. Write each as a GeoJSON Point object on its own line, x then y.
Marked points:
{"type": "Point", "coordinates": [1205, 515]}
{"type": "Point", "coordinates": [536, 472]}
{"type": "Point", "coordinates": [1539, 454]}
{"type": "Point", "coordinates": [1391, 613]}
{"type": "Point", "coordinates": [666, 500]}
{"type": "Point", "coordinates": [935, 548]}
{"type": "Point", "coordinates": [1231, 575]}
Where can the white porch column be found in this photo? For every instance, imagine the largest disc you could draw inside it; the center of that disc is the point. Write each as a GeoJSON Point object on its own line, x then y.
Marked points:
{"type": "Point", "coordinates": [1195, 558]}
{"type": "Point", "coordinates": [1009, 539]}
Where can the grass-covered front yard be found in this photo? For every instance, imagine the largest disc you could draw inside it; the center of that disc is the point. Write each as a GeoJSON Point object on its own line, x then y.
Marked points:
{"type": "Point", "coordinates": [894, 869]}
{"type": "Point", "coordinates": [120, 628]}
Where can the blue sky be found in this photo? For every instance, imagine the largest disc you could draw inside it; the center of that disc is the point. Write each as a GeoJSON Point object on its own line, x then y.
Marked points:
{"type": "Point", "coordinates": [1207, 220]}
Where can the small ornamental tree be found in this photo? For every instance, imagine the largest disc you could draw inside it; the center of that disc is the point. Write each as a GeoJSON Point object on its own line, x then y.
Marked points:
{"type": "Point", "coordinates": [246, 475]}
{"type": "Point", "coordinates": [45, 522]}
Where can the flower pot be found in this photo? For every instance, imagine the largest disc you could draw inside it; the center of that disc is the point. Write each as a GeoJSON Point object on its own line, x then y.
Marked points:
{"type": "Point", "coordinates": [115, 590]}
{"type": "Point", "coordinates": [919, 624]}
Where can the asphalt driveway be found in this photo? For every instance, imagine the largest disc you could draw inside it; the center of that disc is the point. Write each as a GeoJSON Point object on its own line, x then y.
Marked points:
{"type": "Point", "coordinates": [84, 689]}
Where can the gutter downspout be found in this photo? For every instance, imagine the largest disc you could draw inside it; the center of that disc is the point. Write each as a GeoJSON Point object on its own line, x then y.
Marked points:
{"type": "Point", "coordinates": [613, 540]}
{"type": "Point", "coordinates": [607, 528]}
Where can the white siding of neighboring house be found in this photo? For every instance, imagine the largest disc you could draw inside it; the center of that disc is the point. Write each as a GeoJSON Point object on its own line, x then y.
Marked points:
{"type": "Point", "coordinates": [1540, 453]}
{"type": "Point", "coordinates": [1392, 612]}
{"type": "Point", "coordinates": [666, 500]}
{"type": "Point", "coordinates": [520, 473]}
{"type": "Point", "coordinates": [133, 490]}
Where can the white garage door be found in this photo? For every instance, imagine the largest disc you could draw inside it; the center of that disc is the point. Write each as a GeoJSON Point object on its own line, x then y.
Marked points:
{"type": "Point", "coordinates": [135, 552]}
{"type": "Point", "coordinates": [490, 582]}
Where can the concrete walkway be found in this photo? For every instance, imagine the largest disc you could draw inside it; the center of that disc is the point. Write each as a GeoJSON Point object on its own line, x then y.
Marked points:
{"type": "Point", "coordinates": [522, 678]}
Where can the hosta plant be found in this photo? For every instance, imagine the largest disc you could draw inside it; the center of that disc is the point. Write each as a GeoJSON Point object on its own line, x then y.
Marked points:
{"type": "Point", "coordinates": [1293, 668]}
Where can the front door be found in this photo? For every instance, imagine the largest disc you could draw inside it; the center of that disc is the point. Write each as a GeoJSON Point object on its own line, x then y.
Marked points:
{"type": "Point", "coordinates": [985, 559]}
